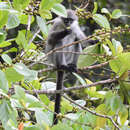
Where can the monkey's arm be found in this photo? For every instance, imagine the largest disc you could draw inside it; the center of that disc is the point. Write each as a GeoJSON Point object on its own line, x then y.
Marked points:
{"type": "Point", "coordinates": [80, 35]}
{"type": "Point", "coordinates": [54, 35]}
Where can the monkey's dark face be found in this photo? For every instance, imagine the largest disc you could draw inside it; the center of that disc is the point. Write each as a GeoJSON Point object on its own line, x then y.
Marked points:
{"type": "Point", "coordinates": [68, 21]}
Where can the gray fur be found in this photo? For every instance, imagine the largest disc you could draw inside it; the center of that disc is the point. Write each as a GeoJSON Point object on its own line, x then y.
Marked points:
{"type": "Point", "coordinates": [61, 58]}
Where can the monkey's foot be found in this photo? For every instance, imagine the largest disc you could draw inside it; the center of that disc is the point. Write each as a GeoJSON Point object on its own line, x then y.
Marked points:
{"type": "Point", "coordinates": [62, 67]}
{"type": "Point", "coordinates": [72, 68]}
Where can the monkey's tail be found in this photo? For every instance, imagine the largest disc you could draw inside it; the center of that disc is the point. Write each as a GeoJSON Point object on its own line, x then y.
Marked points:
{"type": "Point", "coordinates": [59, 85]}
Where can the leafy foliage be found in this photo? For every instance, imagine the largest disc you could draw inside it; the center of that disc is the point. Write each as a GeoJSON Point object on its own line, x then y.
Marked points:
{"type": "Point", "coordinates": [24, 108]}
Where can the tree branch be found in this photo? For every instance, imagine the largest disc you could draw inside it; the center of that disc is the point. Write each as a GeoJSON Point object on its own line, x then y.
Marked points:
{"type": "Point", "coordinates": [72, 88]}
{"type": "Point", "coordinates": [93, 112]}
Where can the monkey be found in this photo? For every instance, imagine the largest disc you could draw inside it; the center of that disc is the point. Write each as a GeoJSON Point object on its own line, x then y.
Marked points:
{"type": "Point", "coordinates": [64, 31]}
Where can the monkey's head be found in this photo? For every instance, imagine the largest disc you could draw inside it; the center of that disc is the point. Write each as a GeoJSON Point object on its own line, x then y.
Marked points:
{"type": "Point", "coordinates": [71, 17]}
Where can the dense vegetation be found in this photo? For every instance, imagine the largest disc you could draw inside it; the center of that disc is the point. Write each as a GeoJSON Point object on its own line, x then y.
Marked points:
{"type": "Point", "coordinates": [99, 96]}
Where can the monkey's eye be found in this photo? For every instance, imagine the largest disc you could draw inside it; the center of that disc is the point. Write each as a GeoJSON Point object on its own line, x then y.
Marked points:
{"type": "Point", "coordinates": [68, 21]}
{"type": "Point", "coordinates": [65, 21]}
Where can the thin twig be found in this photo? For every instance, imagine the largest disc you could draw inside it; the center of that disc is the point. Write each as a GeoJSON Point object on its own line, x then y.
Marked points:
{"type": "Point", "coordinates": [93, 112]}
{"type": "Point", "coordinates": [71, 88]}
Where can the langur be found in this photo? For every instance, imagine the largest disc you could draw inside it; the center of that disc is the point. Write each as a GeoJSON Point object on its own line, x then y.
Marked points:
{"type": "Point", "coordinates": [64, 31]}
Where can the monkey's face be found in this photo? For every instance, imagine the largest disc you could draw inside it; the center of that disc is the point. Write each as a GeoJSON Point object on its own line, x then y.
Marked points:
{"type": "Point", "coordinates": [68, 21]}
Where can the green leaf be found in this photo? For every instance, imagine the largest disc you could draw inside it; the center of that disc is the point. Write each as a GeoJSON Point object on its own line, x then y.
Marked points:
{"type": "Point", "coordinates": [32, 127]}
{"type": "Point", "coordinates": [48, 85]}
{"type": "Point", "coordinates": [107, 50]}
{"type": "Point", "coordinates": [61, 126]}
{"type": "Point", "coordinates": [20, 4]}
{"type": "Point", "coordinates": [2, 35]}
{"type": "Point", "coordinates": [46, 14]}
{"type": "Point", "coordinates": [19, 93]}
{"type": "Point", "coordinates": [72, 116]}
{"type": "Point", "coordinates": [111, 46]}
{"type": "Point", "coordinates": [42, 24]}
{"type": "Point", "coordinates": [15, 102]}
{"type": "Point", "coordinates": [21, 40]}
{"type": "Point", "coordinates": [13, 49]}
{"type": "Point", "coordinates": [24, 18]}
{"type": "Point", "coordinates": [42, 117]}
{"type": "Point", "coordinates": [13, 21]}
{"type": "Point", "coordinates": [23, 70]}
{"type": "Point", "coordinates": [4, 110]}
{"type": "Point", "coordinates": [12, 75]}
{"type": "Point", "coordinates": [58, 1]}
{"type": "Point", "coordinates": [47, 4]}
{"type": "Point", "coordinates": [89, 59]}
{"type": "Point", "coordinates": [3, 93]}
{"type": "Point", "coordinates": [80, 102]}
{"type": "Point", "coordinates": [95, 8]}
{"type": "Point", "coordinates": [105, 11]}
{"type": "Point", "coordinates": [3, 82]}
{"type": "Point", "coordinates": [115, 103]}
{"type": "Point", "coordinates": [5, 44]}
{"type": "Point", "coordinates": [59, 10]}
{"type": "Point", "coordinates": [82, 81]}
{"type": "Point", "coordinates": [8, 116]}
{"type": "Point", "coordinates": [101, 20]}
{"type": "Point", "coordinates": [121, 63]}
{"type": "Point", "coordinates": [101, 122]}
{"type": "Point", "coordinates": [6, 58]}
{"type": "Point", "coordinates": [4, 5]}
{"type": "Point", "coordinates": [33, 102]}
{"type": "Point", "coordinates": [3, 17]}
{"type": "Point", "coordinates": [116, 14]}
{"type": "Point", "coordinates": [44, 99]}
{"type": "Point", "coordinates": [123, 114]}
{"type": "Point", "coordinates": [117, 46]}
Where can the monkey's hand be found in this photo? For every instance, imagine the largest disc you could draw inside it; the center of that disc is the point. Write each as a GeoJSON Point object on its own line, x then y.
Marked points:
{"type": "Point", "coordinates": [69, 31]}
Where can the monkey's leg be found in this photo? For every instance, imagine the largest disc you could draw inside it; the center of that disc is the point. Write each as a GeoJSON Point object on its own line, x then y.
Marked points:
{"type": "Point", "coordinates": [59, 85]}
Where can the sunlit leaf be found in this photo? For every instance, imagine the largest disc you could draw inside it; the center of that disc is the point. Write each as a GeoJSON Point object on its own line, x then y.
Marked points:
{"type": "Point", "coordinates": [90, 82]}
{"type": "Point", "coordinates": [105, 11]}
{"type": "Point", "coordinates": [46, 14]}
{"type": "Point", "coordinates": [59, 10]}
{"type": "Point", "coordinates": [3, 17]}
{"type": "Point", "coordinates": [47, 4]}
{"type": "Point", "coordinates": [12, 75]}
{"type": "Point", "coordinates": [48, 85]}
{"type": "Point", "coordinates": [21, 40]}
{"type": "Point", "coordinates": [20, 4]}
{"type": "Point", "coordinates": [123, 114]}
{"type": "Point", "coordinates": [116, 14]}
{"type": "Point", "coordinates": [42, 24]}
{"type": "Point", "coordinates": [101, 20]}
{"type": "Point", "coordinates": [89, 58]}
{"type": "Point", "coordinates": [5, 44]}
{"type": "Point", "coordinates": [61, 126]}
{"type": "Point", "coordinates": [4, 5]}
{"type": "Point", "coordinates": [42, 117]}
{"type": "Point", "coordinates": [95, 8]}
{"type": "Point", "coordinates": [72, 116]}
{"type": "Point", "coordinates": [121, 63]}
{"type": "Point", "coordinates": [100, 122]}
{"type": "Point", "coordinates": [2, 35]}
{"type": "Point", "coordinates": [117, 45]}
{"type": "Point", "coordinates": [6, 58]}
{"type": "Point", "coordinates": [82, 81]}
{"type": "Point", "coordinates": [13, 21]}
{"type": "Point", "coordinates": [19, 92]}
{"type": "Point", "coordinates": [3, 82]}
{"type": "Point", "coordinates": [23, 70]}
